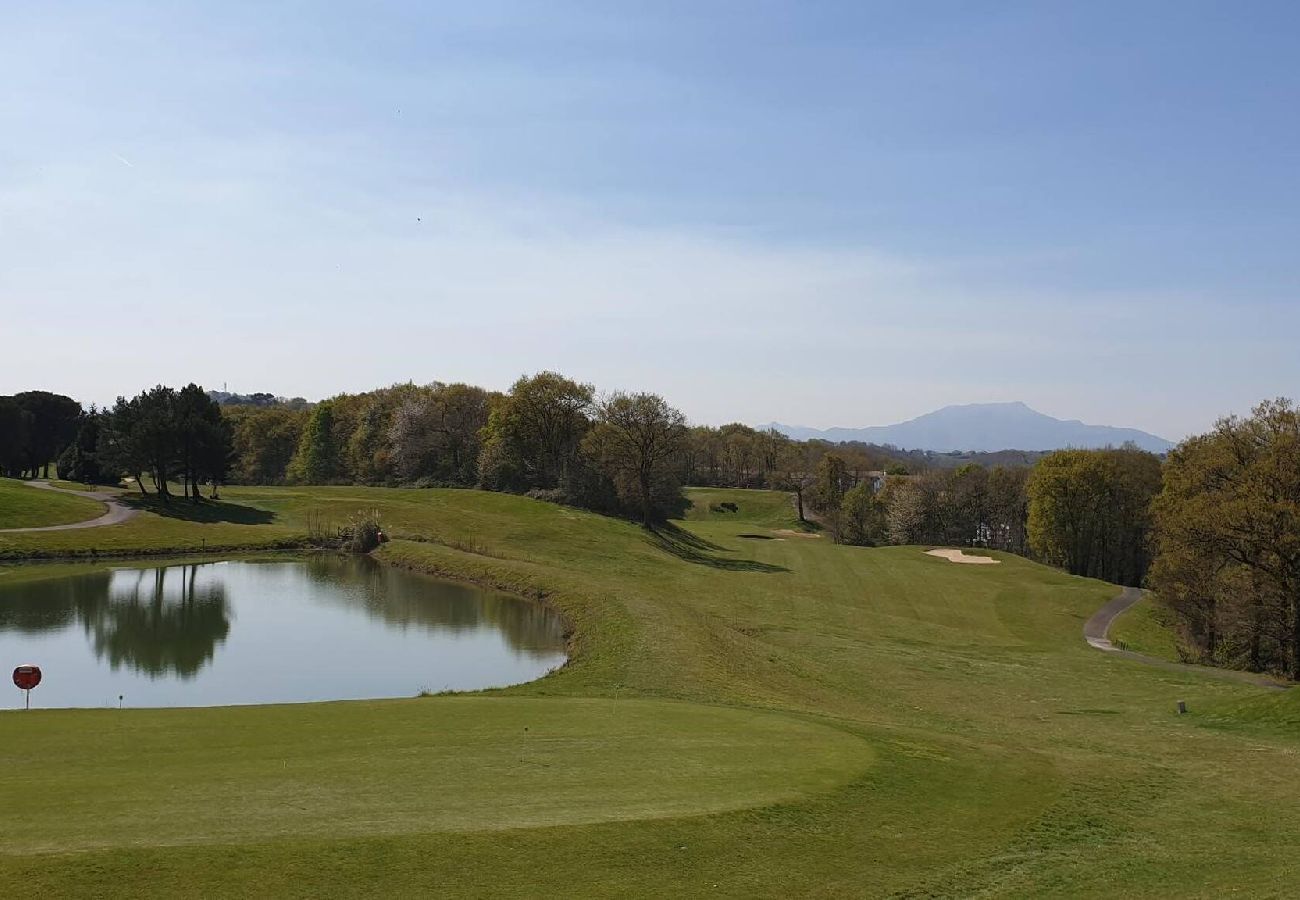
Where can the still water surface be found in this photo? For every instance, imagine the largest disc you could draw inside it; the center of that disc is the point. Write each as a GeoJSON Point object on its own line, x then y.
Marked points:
{"type": "Point", "coordinates": [321, 628]}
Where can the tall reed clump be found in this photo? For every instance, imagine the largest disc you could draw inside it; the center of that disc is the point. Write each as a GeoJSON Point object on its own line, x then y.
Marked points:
{"type": "Point", "coordinates": [362, 534]}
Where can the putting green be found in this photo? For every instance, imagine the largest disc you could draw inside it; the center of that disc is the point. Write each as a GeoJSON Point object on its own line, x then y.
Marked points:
{"type": "Point", "coordinates": [240, 774]}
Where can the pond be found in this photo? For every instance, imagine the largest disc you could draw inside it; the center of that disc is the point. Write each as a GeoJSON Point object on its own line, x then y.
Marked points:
{"type": "Point", "coordinates": [317, 628]}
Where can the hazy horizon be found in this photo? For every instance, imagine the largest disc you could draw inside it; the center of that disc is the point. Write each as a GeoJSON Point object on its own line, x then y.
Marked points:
{"type": "Point", "coordinates": [831, 216]}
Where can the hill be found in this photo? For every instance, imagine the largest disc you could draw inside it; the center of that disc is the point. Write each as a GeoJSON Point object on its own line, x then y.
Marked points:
{"type": "Point", "coordinates": [984, 427]}
{"type": "Point", "coordinates": [748, 712]}
{"type": "Point", "coordinates": [261, 398]}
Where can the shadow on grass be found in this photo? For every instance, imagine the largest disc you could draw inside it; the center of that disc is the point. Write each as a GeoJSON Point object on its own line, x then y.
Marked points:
{"type": "Point", "coordinates": [201, 511]}
{"type": "Point", "coordinates": [694, 549]}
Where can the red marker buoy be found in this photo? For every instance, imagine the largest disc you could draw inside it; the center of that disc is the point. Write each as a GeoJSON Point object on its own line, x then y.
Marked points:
{"type": "Point", "coordinates": [26, 678]}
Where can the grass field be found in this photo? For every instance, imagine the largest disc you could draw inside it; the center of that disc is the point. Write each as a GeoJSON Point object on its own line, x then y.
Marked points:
{"type": "Point", "coordinates": [1146, 628]}
{"type": "Point", "coordinates": [22, 506]}
{"type": "Point", "coordinates": [747, 712]}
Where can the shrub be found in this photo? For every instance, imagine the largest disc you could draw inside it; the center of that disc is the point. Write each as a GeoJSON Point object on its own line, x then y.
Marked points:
{"type": "Point", "coordinates": [362, 534]}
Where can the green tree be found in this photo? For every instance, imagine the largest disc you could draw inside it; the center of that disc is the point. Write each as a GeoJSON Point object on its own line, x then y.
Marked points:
{"type": "Point", "coordinates": [1008, 508]}
{"type": "Point", "coordinates": [795, 471]}
{"type": "Point", "coordinates": [706, 455]}
{"type": "Point", "coordinates": [317, 458]}
{"type": "Point", "coordinates": [437, 434]}
{"type": "Point", "coordinates": [157, 436]}
{"type": "Point", "coordinates": [1090, 511]}
{"type": "Point", "coordinates": [636, 442]}
{"type": "Point", "coordinates": [739, 446]}
{"type": "Point", "coordinates": [51, 427]}
{"type": "Point", "coordinates": [80, 460]}
{"type": "Point", "coordinates": [771, 447]}
{"type": "Point", "coordinates": [1228, 534]}
{"type": "Point", "coordinates": [204, 440]}
{"type": "Point", "coordinates": [121, 442]}
{"type": "Point", "coordinates": [963, 506]}
{"type": "Point", "coordinates": [533, 434]}
{"type": "Point", "coordinates": [829, 486]}
{"type": "Point", "coordinates": [15, 428]}
{"type": "Point", "coordinates": [264, 440]}
{"type": "Point", "coordinates": [863, 516]}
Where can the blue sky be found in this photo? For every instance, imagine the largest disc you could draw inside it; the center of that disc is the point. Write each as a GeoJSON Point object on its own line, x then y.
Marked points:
{"type": "Point", "coordinates": [824, 214]}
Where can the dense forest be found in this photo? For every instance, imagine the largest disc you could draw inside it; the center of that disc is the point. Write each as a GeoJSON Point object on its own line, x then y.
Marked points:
{"type": "Point", "coordinates": [1215, 529]}
{"type": "Point", "coordinates": [1227, 541]}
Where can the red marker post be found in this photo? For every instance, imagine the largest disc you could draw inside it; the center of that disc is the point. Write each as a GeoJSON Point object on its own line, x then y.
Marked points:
{"type": "Point", "coordinates": [26, 678]}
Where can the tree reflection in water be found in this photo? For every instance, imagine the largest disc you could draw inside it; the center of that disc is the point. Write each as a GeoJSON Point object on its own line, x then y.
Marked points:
{"type": "Point", "coordinates": [159, 622]}
{"type": "Point", "coordinates": [169, 621]}
{"type": "Point", "coordinates": [51, 604]}
{"type": "Point", "coordinates": [386, 594]}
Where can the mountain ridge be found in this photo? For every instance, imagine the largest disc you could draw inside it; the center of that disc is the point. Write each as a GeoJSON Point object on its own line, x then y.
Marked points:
{"type": "Point", "coordinates": [985, 427]}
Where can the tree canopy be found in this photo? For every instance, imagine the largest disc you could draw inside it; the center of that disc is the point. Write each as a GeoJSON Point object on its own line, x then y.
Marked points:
{"type": "Point", "coordinates": [1090, 511]}
{"type": "Point", "coordinates": [637, 442]}
{"type": "Point", "coordinates": [1227, 537]}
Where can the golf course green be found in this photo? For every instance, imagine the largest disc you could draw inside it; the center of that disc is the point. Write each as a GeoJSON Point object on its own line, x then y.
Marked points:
{"type": "Point", "coordinates": [748, 710]}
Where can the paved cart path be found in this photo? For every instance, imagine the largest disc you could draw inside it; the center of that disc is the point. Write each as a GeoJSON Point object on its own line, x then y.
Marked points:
{"type": "Point", "coordinates": [1096, 628]}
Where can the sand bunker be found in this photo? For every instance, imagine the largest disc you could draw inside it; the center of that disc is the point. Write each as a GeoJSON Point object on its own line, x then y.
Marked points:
{"type": "Point", "coordinates": [958, 556]}
{"type": "Point", "coordinates": [790, 532]}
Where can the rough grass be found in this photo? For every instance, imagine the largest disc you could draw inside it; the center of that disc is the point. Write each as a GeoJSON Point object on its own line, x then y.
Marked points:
{"type": "Point", "coordinates": [770, 508]}
{"type": "Point", "coordinates": [1146, 627]}
{"type": "Point", "coordinates": [22, 506]}
{"type": "Point", "coordinates": [886, 723]}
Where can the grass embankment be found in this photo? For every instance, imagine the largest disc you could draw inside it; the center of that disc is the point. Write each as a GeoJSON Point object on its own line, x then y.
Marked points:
{"type": "Point", "coordinates": [770, 715]}
{"type": "Point", "coordinates": [1146, 628]}
{"type": "Point", "coordinates": [23, 506]}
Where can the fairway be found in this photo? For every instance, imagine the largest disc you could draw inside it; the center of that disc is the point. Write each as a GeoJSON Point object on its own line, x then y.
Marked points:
{"type": "Point", "coordinates": [744, 713]}
{"type": "Point", "coordinates": [23, 506]}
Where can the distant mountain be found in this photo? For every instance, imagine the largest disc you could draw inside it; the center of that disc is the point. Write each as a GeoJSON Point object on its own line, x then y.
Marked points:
{"type": "Point", "coordinates": [985, 427]}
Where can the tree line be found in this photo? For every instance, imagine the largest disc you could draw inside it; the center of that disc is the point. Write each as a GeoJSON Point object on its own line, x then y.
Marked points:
{"type": "Point", "coordinates": [1214, 530]}
{"type": "Point", "coordinates": [1227, 542]}
{"type": "Point", "coordinates": [548, 436]}
{"type": "Point", "coordinates": [35, 426]}
{"type": "Point", "coordinates": [553, 438]}
{"type": "Point", "coordinates": [170, 435]}
{"type": "Point", "coordinates": [1087, 511]}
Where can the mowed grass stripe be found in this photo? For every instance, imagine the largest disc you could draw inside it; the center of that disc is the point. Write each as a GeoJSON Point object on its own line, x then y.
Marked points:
{"type": "Point", "coordinates": [1010, 759]}
{"type": "Point", "coordinates": [357, 769]}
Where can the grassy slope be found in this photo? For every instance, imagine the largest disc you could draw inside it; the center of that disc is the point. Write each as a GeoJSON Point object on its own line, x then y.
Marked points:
{"type": "Point", "coordinates": [22, 506]}
{"type": "Point", "coordinates": [1005, 756]}
{"type": "Point", "coordinates": [1145, 628]}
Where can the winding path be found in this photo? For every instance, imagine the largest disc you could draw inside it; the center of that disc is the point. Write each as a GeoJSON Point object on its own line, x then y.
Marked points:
{"type": "Point", "coordinates": [1096, 628]}
{"type": "Point", "coordinates": [117, 512]}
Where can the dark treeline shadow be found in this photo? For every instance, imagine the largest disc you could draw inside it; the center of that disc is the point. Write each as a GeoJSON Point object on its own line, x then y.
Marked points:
{"type": "Point", "coordinates": [205, 511]}
{"type": "Point", "coordinates": [691, 548]}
